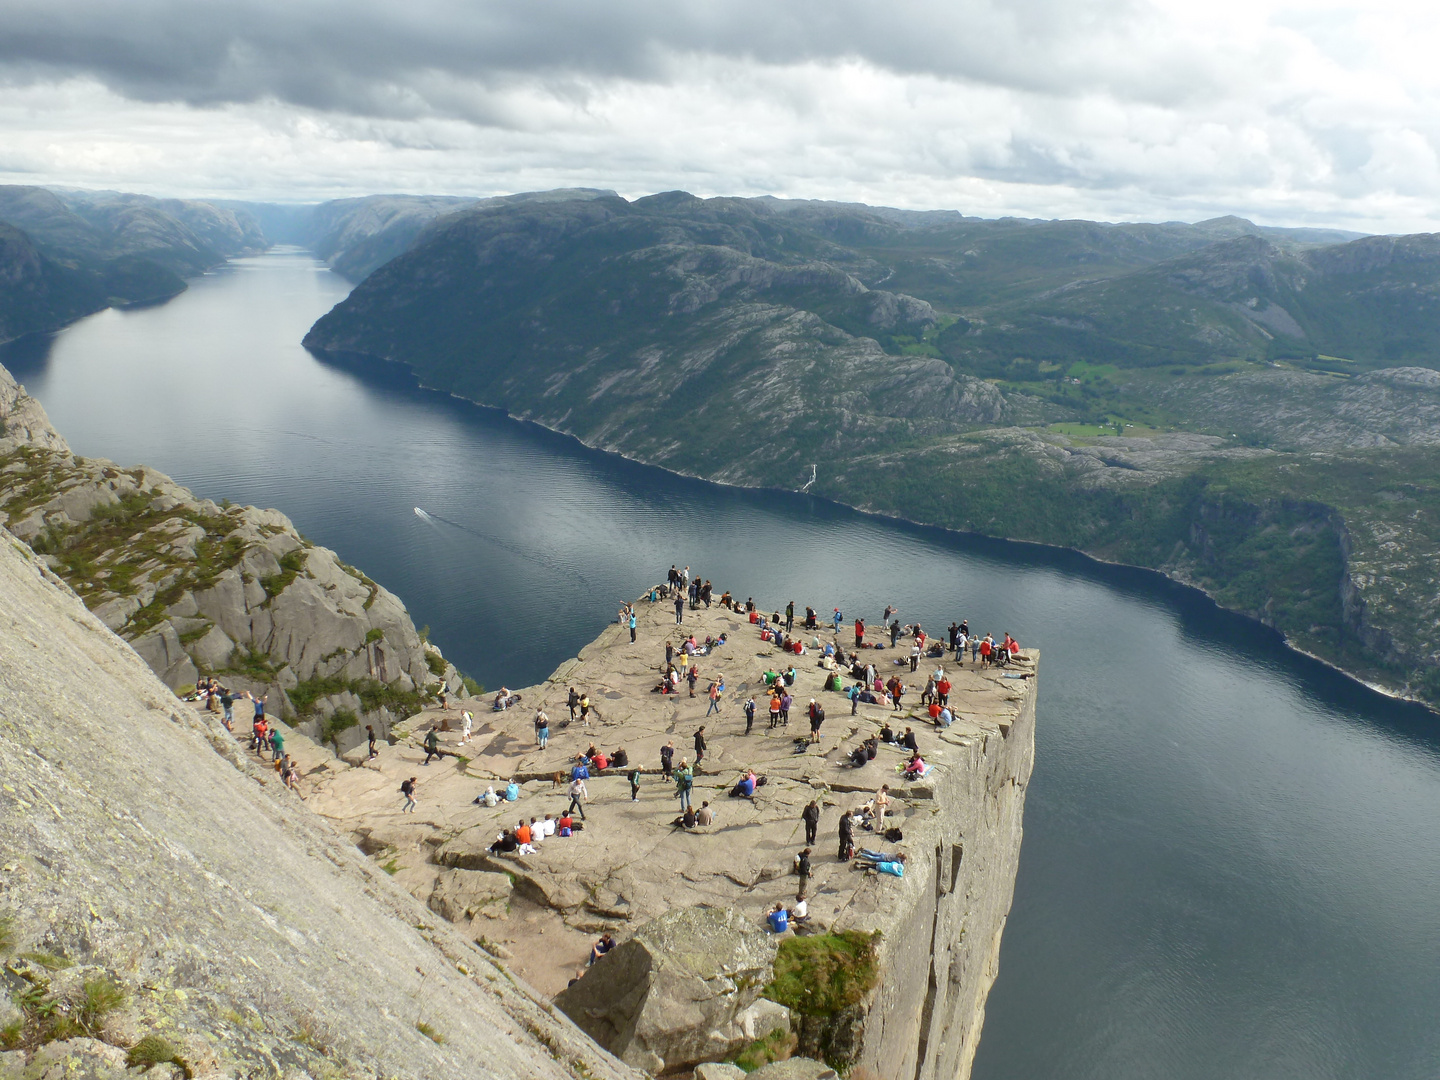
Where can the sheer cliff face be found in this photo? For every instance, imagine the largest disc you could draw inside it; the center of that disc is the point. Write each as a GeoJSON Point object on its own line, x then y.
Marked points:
{"type": "Point", "coordinates": [144, 857]}
{"type": "Point", "coordinates": [198, 588]}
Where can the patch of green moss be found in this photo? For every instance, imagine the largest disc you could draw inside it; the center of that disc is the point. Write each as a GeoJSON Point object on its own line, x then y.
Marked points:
{"type": "Point", "coordinates": [824, 974]}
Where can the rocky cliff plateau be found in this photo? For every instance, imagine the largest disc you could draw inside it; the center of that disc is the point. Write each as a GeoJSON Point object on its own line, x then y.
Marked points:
{"type": "Point", "coordinates": [203, 589]}
{"type": "Point", "coordinates": [920, 1013]}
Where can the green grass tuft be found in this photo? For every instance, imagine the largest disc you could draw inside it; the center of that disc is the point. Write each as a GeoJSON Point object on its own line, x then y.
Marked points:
{"type": "Point", "coordinates": [823, 974]}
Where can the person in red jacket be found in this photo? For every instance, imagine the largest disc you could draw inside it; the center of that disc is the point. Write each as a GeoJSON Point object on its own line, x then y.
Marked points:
{"type": "Point", "coordinates": [859, 632]}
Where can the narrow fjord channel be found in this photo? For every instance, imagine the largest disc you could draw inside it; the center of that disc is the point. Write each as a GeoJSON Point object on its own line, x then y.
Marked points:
{"type": "Point", "coordinates": [1231, 866]}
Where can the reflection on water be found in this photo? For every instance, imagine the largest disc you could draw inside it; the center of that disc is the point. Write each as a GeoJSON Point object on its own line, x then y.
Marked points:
{"type": "Point", "coordinates": [1230, 860]}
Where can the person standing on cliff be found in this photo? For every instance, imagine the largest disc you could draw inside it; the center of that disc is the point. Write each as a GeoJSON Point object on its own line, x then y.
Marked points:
{"type": "Point", "coordinates": [859, 633]}
{"type": "Point", "coordinates": [667, 759]}
{"type": "Point", "coordinates": [811, 816]}
{"type": "Point", "coordinates": [714, 695]}
{"type": "Point", "coordinates": [954, 634]}
{"type": "Point", "coordinates": [679, 610]}
{"type": "Point", "coordinates": [632, 626]}
{"type": "Point", "coordinates": [699, 745]}
{"type": "Point", "coordinates": [790, 616]}
{"type": "Point", "coordinates": [802, 867]}
{"type": "Point", "coordinates": [749, 714]}
{"type": "Point", "coordinates": [467, 725]}
{"type": "Point", "coordinates": [370, 736]}
{"type": "Point", "coordinates": [890, 609]}
{"type": "Point", "coordinates": [881, 804]}
{"type": "Point", "coordinates": [542, 728]}
{"type": "Point", "coordinates": [578, 792]}
{"type": "Point", "coordinates": [847, 835]}
{"type": "Point", "coordinates": [634, 785]}
{"type": "Point", "coordinates": [573, 700]}
{"type": "Point", "coordinates": [432, 745]}
{"type": "Point", "coordinates": [684, 782]}
{"type": "Point", "coordinates": [407, 788]}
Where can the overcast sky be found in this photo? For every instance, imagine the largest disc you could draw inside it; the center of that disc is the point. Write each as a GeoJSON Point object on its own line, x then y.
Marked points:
{"type": "Point", "coordinates": [1289, 113]}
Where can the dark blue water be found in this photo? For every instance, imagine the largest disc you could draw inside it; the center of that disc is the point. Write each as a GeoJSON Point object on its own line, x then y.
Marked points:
{"type": "Point", "coordinates": [1231, 866]}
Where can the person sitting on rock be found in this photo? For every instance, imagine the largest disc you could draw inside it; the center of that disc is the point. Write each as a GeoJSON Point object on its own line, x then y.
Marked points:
{"type": "Point", "coordinates": [686, 820]}
{"type": "Point", "coordinates": [858, 757]}
{"type": "Point", "coordinates": [619, 759]}
{"type": "Point", "coordinates": [887, 733]}
{"type": "Point", "coordinates": [779, 919]}
{"type": "Point", "coordinates": [945, 719]}
{"type": "Point", "coordinates": [909, 741]}
{"type": "Point", "coordinates": [601, 947]}
{"type": "Point", "coordinates": [745, 789]}
{"type": "Point", "coordinates": [704, 816]}
{"type": "Point", "coordinates": [565, 826]}
{"type": "Point", "coordinates": [505, 842]}
{"type": "Point", "coordinates": [915, 768]}
{"type": "Point", "coordinates": [800, 911]}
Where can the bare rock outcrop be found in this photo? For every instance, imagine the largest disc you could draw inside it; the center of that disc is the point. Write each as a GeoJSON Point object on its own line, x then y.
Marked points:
{"type": "Point", "coordinates": [200, 588]}
{"type": "Point", "coordinates": [168, 903]}
{"type": "Point", "coordinates": [675, 993]}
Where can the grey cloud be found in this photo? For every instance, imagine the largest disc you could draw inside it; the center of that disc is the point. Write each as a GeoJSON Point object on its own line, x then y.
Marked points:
{"type": "Point", "coordinates": [399, 59]}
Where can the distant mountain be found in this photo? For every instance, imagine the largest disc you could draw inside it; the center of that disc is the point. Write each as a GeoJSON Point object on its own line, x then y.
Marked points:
{"type": "Point", "coordinates": [355, 236]}
{"type": "Point", "coordinates": [95, 249]}
{"type": "Point", "coordinates": [1373, 301]}
{"type": "Point", "coordinates": [36, 293]}
{"type": "Point", "coordinates": [1250, 410]}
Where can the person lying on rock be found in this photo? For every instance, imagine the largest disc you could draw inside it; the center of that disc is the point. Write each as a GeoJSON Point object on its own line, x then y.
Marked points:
{"type": "Point", "coordinates": [886, 864]}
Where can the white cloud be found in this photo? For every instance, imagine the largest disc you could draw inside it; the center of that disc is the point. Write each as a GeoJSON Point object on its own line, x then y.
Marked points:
{"type": "Point", "coordinates": [1115, 109]}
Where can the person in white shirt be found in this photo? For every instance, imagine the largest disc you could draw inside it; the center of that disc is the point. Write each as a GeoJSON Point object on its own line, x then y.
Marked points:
{"type": "Point", "coordinates": [469, 722]}
{"type": "Point", "coordinates": [548, 825]}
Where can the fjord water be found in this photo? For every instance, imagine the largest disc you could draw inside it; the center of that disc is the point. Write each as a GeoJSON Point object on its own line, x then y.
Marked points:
{"type": "Point", "coordinates": [1231, 866]}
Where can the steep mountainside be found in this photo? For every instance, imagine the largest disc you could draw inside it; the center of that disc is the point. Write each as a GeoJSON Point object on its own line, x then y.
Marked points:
{"type": "Point", "coordinates": [37, 293]}
{"type": "Point", "coordinates": [198, 588]}
{"type": "Point", "coordinates": [169, 909]}
{"type": "Point", "coordinates": [1155, 394]}
{"type": "Point", "coordinates": [688, 333]}
{"type": "Point", "coordinates": [66, 255]}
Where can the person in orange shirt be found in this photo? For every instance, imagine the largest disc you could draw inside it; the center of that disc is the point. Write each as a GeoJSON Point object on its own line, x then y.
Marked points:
{"type": "Point", "coordinates": [522, 832]}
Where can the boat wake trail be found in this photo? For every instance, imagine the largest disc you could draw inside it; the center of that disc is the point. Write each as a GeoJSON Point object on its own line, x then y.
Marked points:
{"type": "Point", "coordinates": [529, 554]}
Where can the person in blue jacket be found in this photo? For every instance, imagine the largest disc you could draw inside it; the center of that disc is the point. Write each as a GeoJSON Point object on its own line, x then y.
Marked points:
{"type": "Point", "coordinates": [779, 919]}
